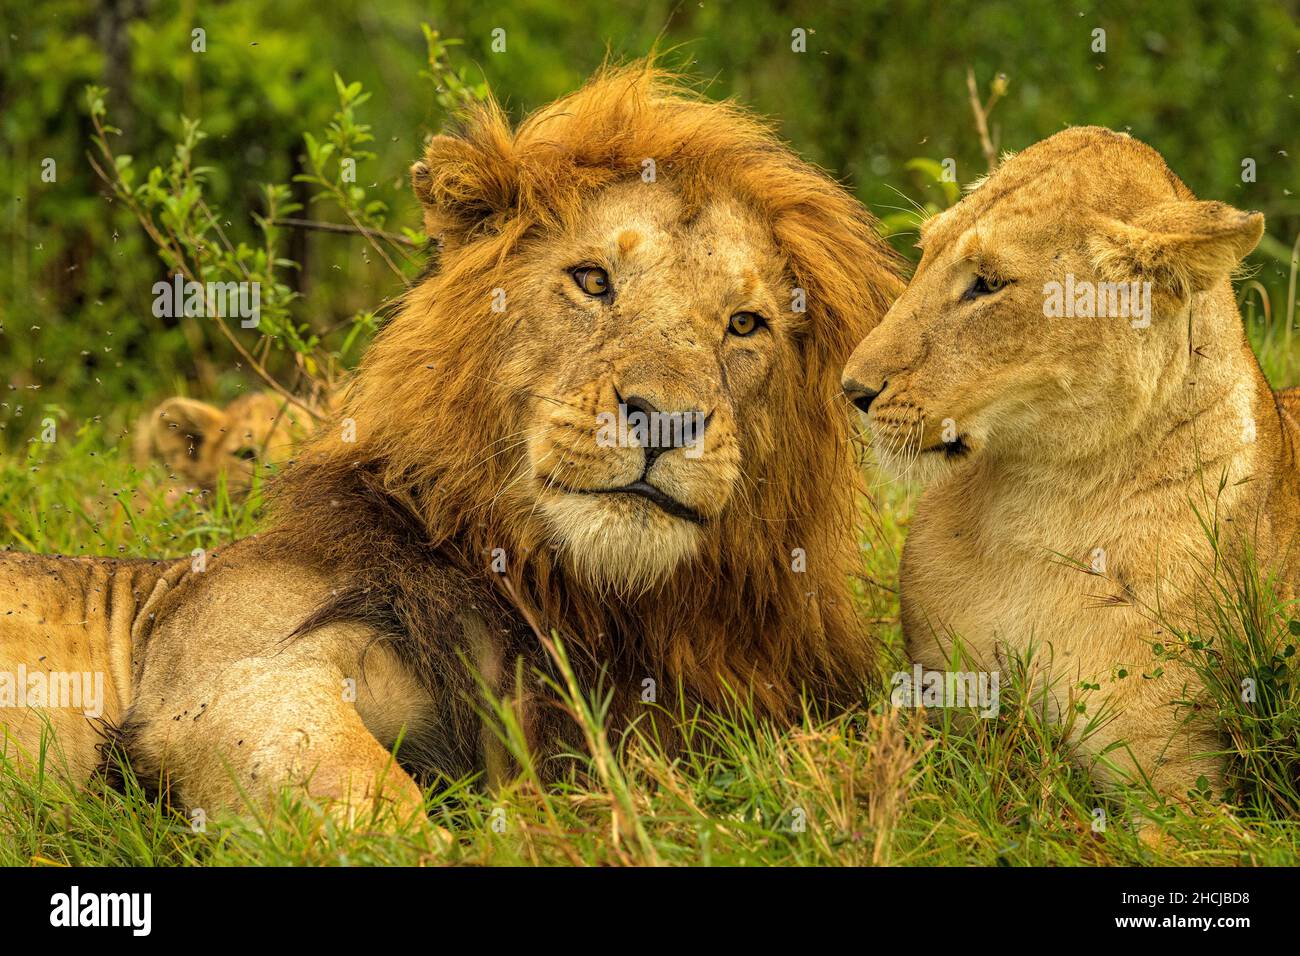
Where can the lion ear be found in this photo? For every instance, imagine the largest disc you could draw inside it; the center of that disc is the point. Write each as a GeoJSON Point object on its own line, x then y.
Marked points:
{"type": "Point", "coordinates": [1181, 247]}
{"type": "Point", "coordinates": [465, 181]}
{"type": "Point", "coordinates": [182, 425]}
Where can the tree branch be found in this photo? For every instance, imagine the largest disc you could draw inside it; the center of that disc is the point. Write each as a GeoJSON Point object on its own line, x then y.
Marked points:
{"type": "Point", "coordinates": [320, 226]}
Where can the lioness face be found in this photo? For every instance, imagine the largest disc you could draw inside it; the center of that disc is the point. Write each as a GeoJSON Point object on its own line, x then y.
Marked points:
{"type": "Point", "coordinates": [652, 333]}
{"type": "Point", "coordinates": [965, 358]}
{"type": "Point", "coordinates": [1042, 313]}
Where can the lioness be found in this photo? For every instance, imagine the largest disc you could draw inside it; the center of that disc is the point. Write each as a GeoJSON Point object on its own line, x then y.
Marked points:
{"type": "Point", "coordinates": [1069, 371]}
{"type": "Point", "coordinates": [201, 443]}
{"type": "Point", "coordinates": [630, 250]}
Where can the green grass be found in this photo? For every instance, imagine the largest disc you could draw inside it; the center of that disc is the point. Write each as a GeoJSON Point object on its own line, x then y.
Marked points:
{"type": "Point", "coordinates": [876, 786]}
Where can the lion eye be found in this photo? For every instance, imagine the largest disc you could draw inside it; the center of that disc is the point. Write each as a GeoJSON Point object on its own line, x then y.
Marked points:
{"type": "Point", "coordinates": [246, 453]}
{"type": "Point", "coordinates": [592, 280]}
{"type": "Point", "coordinates": [744, 323]}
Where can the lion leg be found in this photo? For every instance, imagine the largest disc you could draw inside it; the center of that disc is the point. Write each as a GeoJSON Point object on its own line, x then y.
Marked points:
{"type": "Point", "coordinates": [267, 724]}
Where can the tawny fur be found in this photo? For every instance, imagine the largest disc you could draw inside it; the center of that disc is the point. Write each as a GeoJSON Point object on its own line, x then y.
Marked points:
{"type": "Point", "coordinates": [467, 447]}
{"type": "Point", "coordinates": [1065, 455]}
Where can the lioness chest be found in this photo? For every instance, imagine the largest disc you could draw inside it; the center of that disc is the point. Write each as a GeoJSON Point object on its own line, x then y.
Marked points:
{"type": "Point", "coordinates": [1079, 590]}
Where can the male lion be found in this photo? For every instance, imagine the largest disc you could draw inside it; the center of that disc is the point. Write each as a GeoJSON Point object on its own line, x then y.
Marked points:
{"type": "Point", "coordinates": [632, 250]}
{"type": "Point", "coordinates": [201, 443]}
{"type": "Point", "coordinates": [1069, 369]}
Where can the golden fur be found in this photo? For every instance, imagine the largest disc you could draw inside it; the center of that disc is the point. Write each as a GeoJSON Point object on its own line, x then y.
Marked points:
{"type": "Point", "coordinates": [1065, 455]}
{"type": "Point", "coordinates": [476, 503]}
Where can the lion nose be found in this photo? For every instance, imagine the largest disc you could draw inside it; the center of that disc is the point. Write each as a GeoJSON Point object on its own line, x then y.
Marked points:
{"type": "Point", "coordinates": [635, 403]}
{"type": "Point", "coordinates": [860, 395]}
{"type": "Point", "coordinates": [664, 430]}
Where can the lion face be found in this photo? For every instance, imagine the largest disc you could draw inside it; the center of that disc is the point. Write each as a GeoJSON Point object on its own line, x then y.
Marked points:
{"type": "Point", "coordinates": [1044, 309]}
{"type": "Point", "coordinates": [647, 338]}
{"type": "Point", "coordinates": [617, 390]}
{"type": "Point", "coordinates": [200, 442]}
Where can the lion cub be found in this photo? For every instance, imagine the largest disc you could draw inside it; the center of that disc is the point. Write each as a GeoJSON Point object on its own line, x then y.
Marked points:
{"type": "Point", "coordinates": [1069, 371]}
{"type": "Point", "coordinates": [200, 442]}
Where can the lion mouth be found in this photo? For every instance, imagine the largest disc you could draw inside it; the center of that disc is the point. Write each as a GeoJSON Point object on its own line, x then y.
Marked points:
{"type": "Point", "coordinates": [665, 502]}
{"type": "Point", "coordinates": [957, 448]}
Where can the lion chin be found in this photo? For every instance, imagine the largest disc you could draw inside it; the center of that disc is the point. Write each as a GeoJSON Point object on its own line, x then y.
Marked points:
{"type": "Point", "coordinates": [619, 543]}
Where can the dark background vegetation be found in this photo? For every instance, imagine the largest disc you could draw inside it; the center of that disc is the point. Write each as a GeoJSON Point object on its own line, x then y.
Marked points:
{"type": "Point", "coordinates": [1207, 84]}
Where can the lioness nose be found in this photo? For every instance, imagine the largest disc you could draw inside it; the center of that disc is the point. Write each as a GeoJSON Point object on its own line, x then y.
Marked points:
{"type": "Point", "coordinates": [859, 394]}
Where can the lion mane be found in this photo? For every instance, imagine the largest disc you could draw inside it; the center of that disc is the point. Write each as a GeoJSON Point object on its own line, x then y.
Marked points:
{"type": "Point", "coordinates": [420, 487]}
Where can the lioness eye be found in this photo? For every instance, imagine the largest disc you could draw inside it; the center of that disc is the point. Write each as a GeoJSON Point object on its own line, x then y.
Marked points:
{"type": "Point", "coordinates": [984, 285]}
{"type": "Point", "coordinates": [592, 280]}
{"type": "Point", "coordinates": [744, 323]}
{"type": "Point", "coordinates": [246, 453]}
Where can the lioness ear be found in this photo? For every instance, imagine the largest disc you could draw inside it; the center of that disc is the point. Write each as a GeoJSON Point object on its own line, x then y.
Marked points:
{"type": "Point", "coordinates": [1182, 247]}
{"type": "Point", "coordinates": [182, 425]}
{"type": "Point", "coordinates": [464, 181]}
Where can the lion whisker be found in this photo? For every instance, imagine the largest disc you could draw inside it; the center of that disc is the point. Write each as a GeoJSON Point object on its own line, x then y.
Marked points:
{"type": "Point", "coordinates": [529, 392]}
{"type": "Point", "coordinates": [528, 433]}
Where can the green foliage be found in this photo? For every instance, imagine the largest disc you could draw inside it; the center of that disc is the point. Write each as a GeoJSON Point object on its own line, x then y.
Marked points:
{"type": "Point", "coordinates": [1244, 653]}
{"type": "Point", "coordinates": [933, 183]}
{"type": "Point", "coordinates": [172, 207]}
{"type": "Point", "coordinates": [454, 91]}
{"type": "Point", "coordinates": [879, 98]}
{"type": "Point", "coordinates": [341, 151]}
{"type": "Point", "coordinates": [187, 233]}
